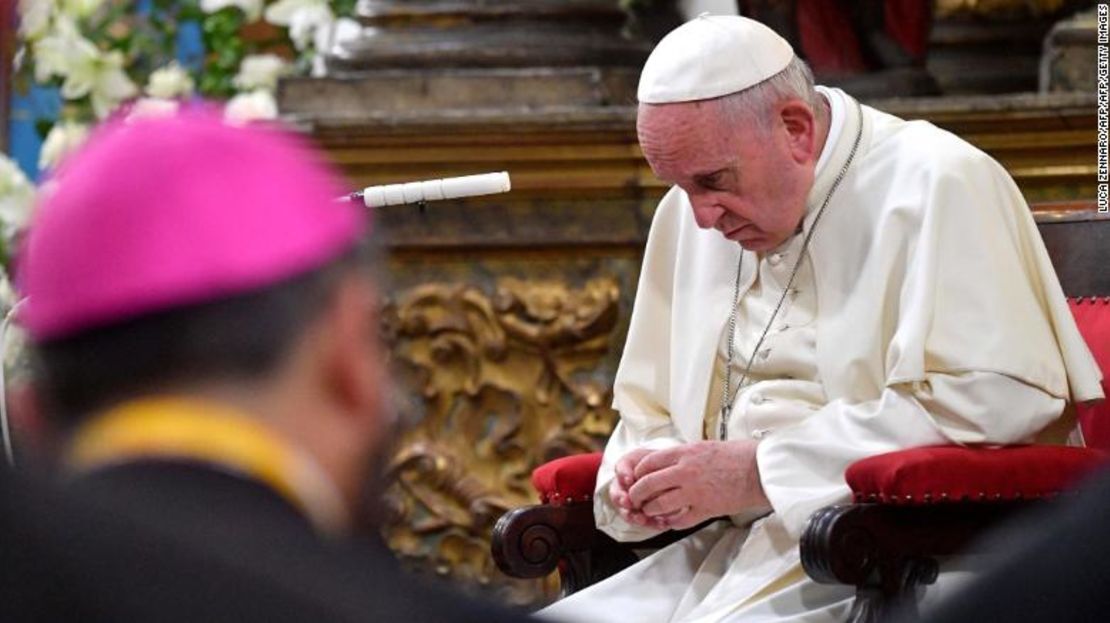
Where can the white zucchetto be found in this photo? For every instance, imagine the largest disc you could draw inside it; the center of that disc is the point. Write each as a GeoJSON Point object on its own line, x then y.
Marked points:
{"type": "Point", "coordinates": [711, 56]}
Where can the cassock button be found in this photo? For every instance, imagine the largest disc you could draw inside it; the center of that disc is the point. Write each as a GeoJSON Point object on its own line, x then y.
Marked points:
{"type": "Point", "coordinates": [765, 353]}
{"type": "Point", "coordinates": [757, 399]}
{"type": "Point", "coordinates": [774, 259]}
{"type": "Point", "coordinates": [760, 433]}
{"type": "Point", "coordinates": [783, 327]}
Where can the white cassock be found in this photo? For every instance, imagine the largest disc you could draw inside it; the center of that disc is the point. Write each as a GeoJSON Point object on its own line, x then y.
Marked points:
{"type": "Point", "coordinates": [925, 312]}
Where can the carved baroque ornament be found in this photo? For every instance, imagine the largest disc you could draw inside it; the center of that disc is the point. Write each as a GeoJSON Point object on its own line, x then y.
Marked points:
{"type": "Point", "coordinates": [497, 385]}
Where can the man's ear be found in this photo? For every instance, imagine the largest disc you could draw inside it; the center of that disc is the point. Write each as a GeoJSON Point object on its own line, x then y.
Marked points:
{"type": "Point", "coordinates": [353, 365]}
{"type": "Point", "coordinates": [801, 130]}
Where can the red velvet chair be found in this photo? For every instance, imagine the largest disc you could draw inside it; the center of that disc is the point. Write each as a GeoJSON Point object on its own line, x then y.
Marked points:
{"type": "Point", "coordinates": [910, 507]}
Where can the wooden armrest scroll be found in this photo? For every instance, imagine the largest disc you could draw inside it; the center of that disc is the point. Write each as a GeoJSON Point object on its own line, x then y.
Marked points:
{"type": "Point", "coordinates": [533, 541]}
{"type": "Point", "coordinates": [886, 551]}
{"type": "Point", "coordinates": [529, 542]}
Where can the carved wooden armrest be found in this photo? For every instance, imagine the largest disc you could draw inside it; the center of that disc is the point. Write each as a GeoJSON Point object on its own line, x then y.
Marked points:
{"type": "Point", "coordinates": [916, 505]}
{"type": "Point", "coordinates": [533, 541]}
{"type": "Point", "coordinates": [886, 551]}
{"type": "Point", "coordinates": [529, 542]}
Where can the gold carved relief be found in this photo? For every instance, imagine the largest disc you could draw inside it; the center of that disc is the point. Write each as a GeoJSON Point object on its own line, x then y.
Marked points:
{"type": "Point", "coordinates": [498, 384]}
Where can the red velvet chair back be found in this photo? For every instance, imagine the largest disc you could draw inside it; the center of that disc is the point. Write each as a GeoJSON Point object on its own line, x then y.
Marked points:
{"type": "Point", "coordinates": [1092, 314]}
{"type": "Point", "coordinates": [1079, 245]}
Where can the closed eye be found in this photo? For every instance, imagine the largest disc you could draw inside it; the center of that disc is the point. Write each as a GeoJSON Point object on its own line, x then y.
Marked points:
{"type": "Point", "coordinates": [712, 181]}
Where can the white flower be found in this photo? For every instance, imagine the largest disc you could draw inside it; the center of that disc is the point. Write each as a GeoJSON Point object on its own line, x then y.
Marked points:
{"type": "Point", "coordinates": [87, 71]}
{"type": "Point", "coordinates": [260, 71]}
{"type": "Point", "coordinates": [169, 82]}
{"type": "Point", "coordinates": [61, 49]}
{"type": "Point", "coordinates": [338, 32]}
{"type": "Point", "coordinates": [34, 18]}
{"type": "Point", "coordinates": [341, 30]}
{"type": "Point", "coordinates": [309, 25]}
{"type": "Point", "coordinates": [281, 12]}
{"type": "Point", "coordinates": [17, 197]}
{"type": "Point", "coordinates": [253, 106]}
{"type": "Point", "coordinates": [251, 8]}
{"type": "Point", "coordinates": [152, 107]}
{"type": "Point", "coordinates": [103, 79]}
{"type": "Point", "coordinates": [64, 138]}
{"type": "Point", "coordinates": [81, 8]}
{"type": "Point", "coordinates": [305, 18]}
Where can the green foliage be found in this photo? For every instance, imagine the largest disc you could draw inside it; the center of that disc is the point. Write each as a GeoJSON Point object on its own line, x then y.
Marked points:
{"type": "Point", "coordinates": [220, 32]}
{"type": "Point", "coordinates": [42, 127]}
{"type": "Point", "coordinates": [343, 8]}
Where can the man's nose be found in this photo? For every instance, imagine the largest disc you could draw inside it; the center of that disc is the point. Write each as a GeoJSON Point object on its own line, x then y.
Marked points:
{"type": "Point", "coordinates": [706, 213]}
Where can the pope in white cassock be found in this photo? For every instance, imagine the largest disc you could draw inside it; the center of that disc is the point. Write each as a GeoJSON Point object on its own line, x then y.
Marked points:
{"type": "Point", "coordinates": [824, 282]}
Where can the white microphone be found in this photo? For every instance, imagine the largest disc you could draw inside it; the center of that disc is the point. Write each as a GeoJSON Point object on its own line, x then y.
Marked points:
{"type": "Point", "coordinates": [433, 190]}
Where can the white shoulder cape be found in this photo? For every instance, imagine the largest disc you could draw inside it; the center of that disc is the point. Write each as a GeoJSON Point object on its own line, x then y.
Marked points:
{"type": "Point", "coordinates": [927, 260]}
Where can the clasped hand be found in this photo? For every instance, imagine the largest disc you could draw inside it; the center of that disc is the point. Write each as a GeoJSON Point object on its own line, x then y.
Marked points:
{"type": "Point", "coordinates": [680, 487]}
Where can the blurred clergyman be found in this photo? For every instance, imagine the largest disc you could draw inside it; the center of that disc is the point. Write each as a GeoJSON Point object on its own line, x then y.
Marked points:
{"type": "Point", "coordinates": [205, 337]}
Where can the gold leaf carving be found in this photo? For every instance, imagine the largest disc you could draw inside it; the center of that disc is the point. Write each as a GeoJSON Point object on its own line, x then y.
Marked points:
{"type": "Point", "coordinates": [505, 382]}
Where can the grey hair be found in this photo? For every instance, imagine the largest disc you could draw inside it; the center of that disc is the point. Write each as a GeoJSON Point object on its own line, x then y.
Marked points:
{"type": "Point", "coordinates": [756, 104]}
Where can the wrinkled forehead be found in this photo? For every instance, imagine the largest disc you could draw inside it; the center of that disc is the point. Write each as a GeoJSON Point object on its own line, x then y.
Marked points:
{"type": "Point", "coordinates": [687, 138]}
{"type": "Point", "coordinates": [679, 114]}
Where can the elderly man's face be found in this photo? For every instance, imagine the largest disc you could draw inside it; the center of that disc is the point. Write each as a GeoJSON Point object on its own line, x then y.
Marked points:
{"type": "Point", "coordinates": [748, 183]}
